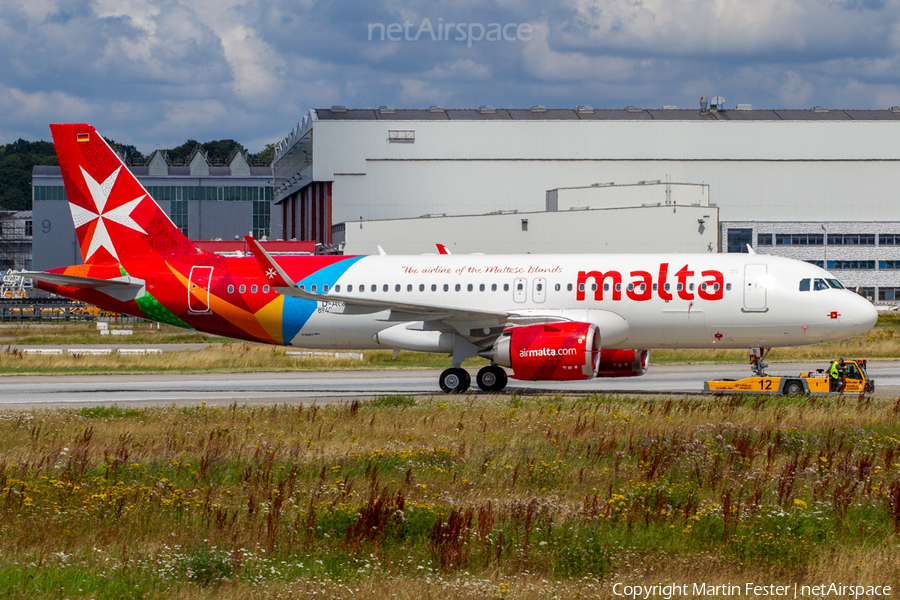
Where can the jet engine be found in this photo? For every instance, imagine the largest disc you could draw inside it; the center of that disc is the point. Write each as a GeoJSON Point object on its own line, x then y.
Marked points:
{"type": "Point", "coordinates": [550, 351]}
{"type": "Point", "coordinates": [623, 363]}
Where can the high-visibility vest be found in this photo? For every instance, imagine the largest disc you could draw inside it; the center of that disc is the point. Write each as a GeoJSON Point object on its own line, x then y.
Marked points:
{"type": "Point", "coordinates": [835, 374]}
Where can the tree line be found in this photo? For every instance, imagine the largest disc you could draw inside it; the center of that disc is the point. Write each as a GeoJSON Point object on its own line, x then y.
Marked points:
{"type": "Point", "coordinates": [18, 159]}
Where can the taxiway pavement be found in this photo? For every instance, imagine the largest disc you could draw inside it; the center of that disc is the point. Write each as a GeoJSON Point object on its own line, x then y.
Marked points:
{"type": "Point", "coordinates": [337, 386]}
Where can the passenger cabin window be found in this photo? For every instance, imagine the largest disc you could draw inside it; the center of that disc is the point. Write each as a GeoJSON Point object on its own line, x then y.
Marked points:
{"type": "Point", "coordinates": [324, 288]}
{"type": "Point", "coordinates": [493, 287]}
{"type": "Point", "coordinates": [337, 288]}
{"type": "Point", "coordinates": [470, 287]}
{"type": "Point", "coordinates": [433, 287]}
{"type": "Point", "coordinates": [506, 287]}
{"type": "Point", "coordinates": [421, 287]}
{"type": "Point", "coordinates": [458, 287]}
{"type": "Point", "coordinates": [446, 288]}
{"type": "Point", "coordinates": [397, 288]}
{"type": "Point", "coordinates": [230, 289]}
{"type": "Point", "coordinates": [243, 288]}
{"type": "Point", "coordinates": [727, 287]}
{"type": "Point", "coordinates": [569, 287]}
{"type": "Point", "coordinates": [375, 287]}
{"type": "Point", "coordinates": [804, 285]}
{"type": "Point", "coordinates": [254, 288]}
{"type": "Point", "coordinates": [266, 289]}
{"type": "Point", "coordinates": [349, 288]}
{"type": "Point", "coordinates": [481, 288]}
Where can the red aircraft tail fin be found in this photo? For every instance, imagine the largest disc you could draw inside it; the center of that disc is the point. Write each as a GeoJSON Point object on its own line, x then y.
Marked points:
{"type": "Point", "coordinates": [115, 218]}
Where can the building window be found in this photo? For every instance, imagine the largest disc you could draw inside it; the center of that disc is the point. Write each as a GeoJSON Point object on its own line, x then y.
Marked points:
{"type": "Point", "coordinates": [851, 239]}
{"type": "Point", "coordinates": [402, 136]}
{"type": "Point", "coordinates": [866, 292]}
{"type": "Point", "coordinates": [763, 239]}
{"type": "Point", "coordinates": [738, 239]}
{"type": "Point", "coordinates": [890, 265]}
{"type": "Point", "coordinates": [524, 224]}
{"type": "Point", "coordinates": [29, 229]}
{"type": "Point", "coordinates": [888, 239]}
{"type": "Point", "coordinates": [818, 263]}
{"type": "Point", "coordinates": [799, 239]}
{"type": "Point", "coordinates": [844, 265]}
{"type": "Point", "coordinates": [888, 294]}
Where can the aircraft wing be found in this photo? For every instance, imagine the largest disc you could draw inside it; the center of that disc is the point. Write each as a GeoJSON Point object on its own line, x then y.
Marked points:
{"type": "Point", "coordinates": [92, 283]}
{"type": "Point", "coordinates": [426, 312]}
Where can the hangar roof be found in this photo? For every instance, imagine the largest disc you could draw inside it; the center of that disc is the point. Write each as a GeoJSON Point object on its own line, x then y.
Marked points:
{"type": "Point", "coordinates": [336, 113]}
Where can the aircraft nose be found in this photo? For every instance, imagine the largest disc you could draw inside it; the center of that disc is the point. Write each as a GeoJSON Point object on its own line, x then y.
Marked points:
{"type": "Point", "coordinates": [862, 313]}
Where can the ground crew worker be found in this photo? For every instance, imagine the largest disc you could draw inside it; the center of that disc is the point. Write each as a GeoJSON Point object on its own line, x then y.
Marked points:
{"type": "Point", "coordinates": [837, 375]}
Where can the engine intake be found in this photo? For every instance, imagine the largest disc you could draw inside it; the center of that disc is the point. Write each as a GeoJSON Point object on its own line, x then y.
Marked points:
{"type": "Point", "coordinates": [551, 351]}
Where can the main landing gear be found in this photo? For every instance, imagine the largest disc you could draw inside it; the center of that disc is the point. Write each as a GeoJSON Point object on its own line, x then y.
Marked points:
{"type": "Point", "coordinates": [490, 379]}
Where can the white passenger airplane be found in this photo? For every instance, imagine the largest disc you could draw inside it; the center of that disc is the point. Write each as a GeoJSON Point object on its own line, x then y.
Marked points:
{"type": "Point", "coordinates": [543, 317]}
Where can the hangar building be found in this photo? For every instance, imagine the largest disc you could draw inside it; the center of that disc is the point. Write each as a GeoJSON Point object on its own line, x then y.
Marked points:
{"type": "Point", "coordinates": [207, 202]}
{"type": "Point", "coordinates": [817, 184]}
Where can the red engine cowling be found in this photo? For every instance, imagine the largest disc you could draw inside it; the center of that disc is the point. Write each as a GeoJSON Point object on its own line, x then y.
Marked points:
{"type": "Point", "coordinates": [553, 351]}
{"type": "Point", "coordinates": [623, 363]}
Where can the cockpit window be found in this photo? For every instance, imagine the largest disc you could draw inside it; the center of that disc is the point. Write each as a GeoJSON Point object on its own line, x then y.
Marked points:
{"type": "Point", "coordinates": [835, 284]}
{"type": "Point", "coordinates": [820, 285]}
{"type": "Point", "coordinates": [804, 285]}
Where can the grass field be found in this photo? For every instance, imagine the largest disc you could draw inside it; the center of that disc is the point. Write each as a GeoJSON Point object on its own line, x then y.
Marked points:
{"type": "Point", "coordinates": [455, 497]}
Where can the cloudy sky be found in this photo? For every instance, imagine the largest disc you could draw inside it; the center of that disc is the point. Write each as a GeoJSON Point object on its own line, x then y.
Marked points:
{"type": "Point", "coordinates": [156, 73]}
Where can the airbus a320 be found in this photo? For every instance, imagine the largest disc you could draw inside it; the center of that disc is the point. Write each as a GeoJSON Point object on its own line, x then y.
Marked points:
{"type": "Point", "coordinates": [535, 317]}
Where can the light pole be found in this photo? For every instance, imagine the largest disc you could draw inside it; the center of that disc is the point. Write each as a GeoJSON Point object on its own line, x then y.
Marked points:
{"type": "Point", "coordinates": [824, 246]}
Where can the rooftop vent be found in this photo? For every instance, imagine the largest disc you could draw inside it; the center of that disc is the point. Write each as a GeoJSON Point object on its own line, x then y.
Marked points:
{"type": "Point", "coordinates": [537, 108]}
{"type": "Point", "coordinates": [487, 109]}
{"type": "Point", "coordinates": [649, 181]}
{"type": "Point", "coordinates": [703, 104]}
{"type": "Point", "coordinates": [386, 110]}
{"type": "Point", "coordinates": [717, 102]}
{"type": "Point", "coordinates": [745, 107]}
{"type": "Point", "coordinates": [436, 109]}
{"type": "Point", "coordinates": [633, 109]}
{"type": "Point", "coordinates": [579, 208]}
{"type": "Point", "coordinates": [895, 109]}
{"type": "Point", "coordinates": [820, 109]}
{"type": "Point", "coordinates": [670, 107]}
{"type": "Point", "coordinates": [338, 109]}
{"type": "Point", "coordinates": [608, 183]}
{"type": "Point", "coordinates": [585, 109]}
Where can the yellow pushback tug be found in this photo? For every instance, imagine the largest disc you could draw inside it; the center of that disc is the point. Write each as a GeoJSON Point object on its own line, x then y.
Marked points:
{"type": "Point", "coordinates": [855, 380]}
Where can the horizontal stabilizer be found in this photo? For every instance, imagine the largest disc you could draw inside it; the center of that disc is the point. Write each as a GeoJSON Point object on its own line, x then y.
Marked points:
{"type": "Point", "coordinates": [90, 283]}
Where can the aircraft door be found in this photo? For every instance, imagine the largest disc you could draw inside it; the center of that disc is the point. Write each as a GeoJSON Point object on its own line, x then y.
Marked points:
{"type": "Point", "coordinates": [539, 294]}
{"type": "Point", "coordinates": [755, 288]}
{"type": "Point", "coordinates": [198, 290]}
{"type": "Point", "coordinates": [520, 294]}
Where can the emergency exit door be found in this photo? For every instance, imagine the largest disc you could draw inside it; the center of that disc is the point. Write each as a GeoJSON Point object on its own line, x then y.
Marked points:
{"type": "Point", "coordinates": [755, 281]}
{"type": "Point", "coordinates": [198, 289]}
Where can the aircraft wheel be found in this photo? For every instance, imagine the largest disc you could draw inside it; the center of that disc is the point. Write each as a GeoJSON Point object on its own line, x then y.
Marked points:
{"type": "Point", "coordinates": [793, 388]}
{"type": "Point", "coordinates": [455, 381]}
{"type": "Point", "coordinates": [491, 378]}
